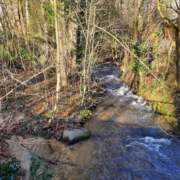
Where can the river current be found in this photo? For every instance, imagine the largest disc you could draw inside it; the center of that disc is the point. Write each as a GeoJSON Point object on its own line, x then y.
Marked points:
{"type": "Point", "coordinates": [129, 140]}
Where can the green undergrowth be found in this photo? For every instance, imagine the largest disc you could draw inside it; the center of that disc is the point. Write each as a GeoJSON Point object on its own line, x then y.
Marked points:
{"type": "Point", "coordinates": [38, 172]}
{"type": "Point", "coordinates": [10, 169]}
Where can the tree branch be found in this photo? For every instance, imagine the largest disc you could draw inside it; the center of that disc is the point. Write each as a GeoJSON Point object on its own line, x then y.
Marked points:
{"type": "Point", "coordinates": [23, 83]}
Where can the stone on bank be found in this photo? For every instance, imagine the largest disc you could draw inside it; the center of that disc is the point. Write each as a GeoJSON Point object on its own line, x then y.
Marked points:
{"type": "Point", "coordinates": [76, 135]}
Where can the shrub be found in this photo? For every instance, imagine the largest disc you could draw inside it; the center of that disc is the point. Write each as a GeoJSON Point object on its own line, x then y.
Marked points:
{"type": "Point", "coordinates": [10, 169]}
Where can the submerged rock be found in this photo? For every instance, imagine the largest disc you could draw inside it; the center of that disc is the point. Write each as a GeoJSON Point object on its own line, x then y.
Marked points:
{"type": "Point", "coordinates": [76, 135]}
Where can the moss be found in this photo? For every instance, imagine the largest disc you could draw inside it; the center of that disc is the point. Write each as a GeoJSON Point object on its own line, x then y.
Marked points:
{"type": "Point", "coordinates": [165, 111]}
{"type": "Point", "coordinates": [141, 93]}
{"type": "Point", "coordinates": [159, 108]}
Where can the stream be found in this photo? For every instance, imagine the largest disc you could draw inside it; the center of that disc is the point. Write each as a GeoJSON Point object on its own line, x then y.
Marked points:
{"type": "Point", "coordinates": [129, 141]}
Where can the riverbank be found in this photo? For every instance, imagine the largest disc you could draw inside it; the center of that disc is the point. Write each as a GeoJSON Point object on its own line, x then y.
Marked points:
{"type": "Point", "coordinates": [162, 100]}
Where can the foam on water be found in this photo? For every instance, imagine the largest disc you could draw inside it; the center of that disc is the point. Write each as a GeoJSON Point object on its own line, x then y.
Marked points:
{"type": "Point", "coordinates": [125, 93]}
{"type": "Point", "coordinates": [140, 100]}
{"type": "Point", "coordinates": [139, 104]}
{"type": "Point", "coordinates": [122, 91]}
{"type": "Point", "coordinates": [149, 143]}
{"type": "Point", "coordinates": [141, 146]}
{"type": "Point", "coordinates": [111, 77]}
{"type": "Point", "coordinates": [153, 140]}
{"type": "Point", "coordinates": [130, 94]}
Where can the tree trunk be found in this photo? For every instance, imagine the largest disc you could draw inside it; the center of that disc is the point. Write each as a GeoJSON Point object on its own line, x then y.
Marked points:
{"type": "Point", "coordinates": [72, 29]}
{"type": "Point", "coordinates": [64, 55]}
{"type": "Point", "coordinates": [136, 38]}
{"type": "Point", "coordinates": [57, 56]}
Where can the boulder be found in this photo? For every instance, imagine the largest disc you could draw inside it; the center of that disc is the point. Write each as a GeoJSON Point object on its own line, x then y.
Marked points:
{"type": "Point", "coordinates": [76, 135]}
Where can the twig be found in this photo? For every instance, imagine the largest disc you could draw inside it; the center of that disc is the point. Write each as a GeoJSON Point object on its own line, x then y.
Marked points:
{"type": "Point", "coordinates": [15, 78]}
{"type": "Point", "coordinates": [28, 94]}
{"type": "Point", "coordinates": [164, 131]}
{"type": "Point", "coordinates": [5, 154]}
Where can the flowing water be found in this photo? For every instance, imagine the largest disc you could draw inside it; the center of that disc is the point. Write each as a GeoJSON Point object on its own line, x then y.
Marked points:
{"type": "Point", "coordinates": [128, 141]}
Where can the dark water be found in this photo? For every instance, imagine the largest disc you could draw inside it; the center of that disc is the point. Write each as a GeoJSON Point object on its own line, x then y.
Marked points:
{"type": "Point", "coordinates": [128, 141]}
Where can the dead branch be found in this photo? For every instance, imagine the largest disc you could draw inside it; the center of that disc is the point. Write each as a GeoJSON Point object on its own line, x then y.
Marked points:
{"type": "Point", "coordinates": [25, 82]}
{"type": "Point", "coordinates": [15, 78]}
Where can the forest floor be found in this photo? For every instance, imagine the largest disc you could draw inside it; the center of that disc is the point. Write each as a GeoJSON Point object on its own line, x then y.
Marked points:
{"type": "Point", "coordinates": [27, 110]}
